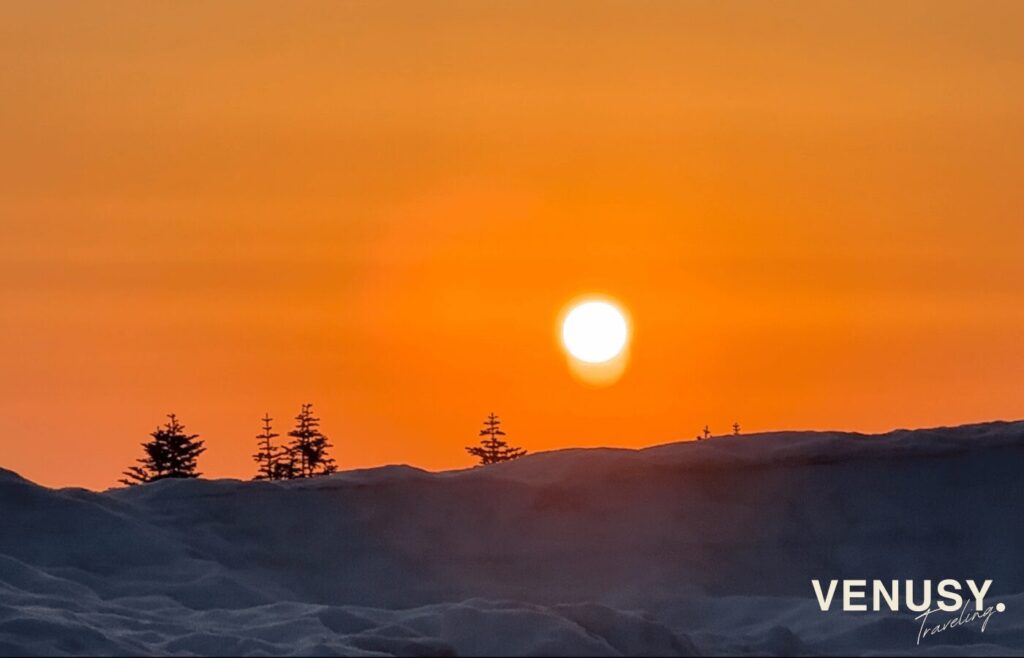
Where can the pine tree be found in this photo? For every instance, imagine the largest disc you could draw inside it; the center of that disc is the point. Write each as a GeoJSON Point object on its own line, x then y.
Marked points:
{"type": "Point", "coordinates": [494, 449]}
{"type": "Point", "coordinates": [309, 447]}
{"type": "Point", "coordinates": [736, 429]}
{"type": "Point", "coordinates": [286, 468]}
{"type": "Point", "coordinates": [268, 454]}
{"type": "Point", "coordinates": [170, 454]}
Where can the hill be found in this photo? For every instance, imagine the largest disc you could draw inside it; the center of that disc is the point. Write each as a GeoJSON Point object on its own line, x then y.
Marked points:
{"type": "Point", "coordinates": [698, 547]}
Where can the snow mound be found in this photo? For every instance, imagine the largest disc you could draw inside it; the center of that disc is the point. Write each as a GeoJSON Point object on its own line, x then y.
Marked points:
{"type": "Point", "coordinates": [680, 549]}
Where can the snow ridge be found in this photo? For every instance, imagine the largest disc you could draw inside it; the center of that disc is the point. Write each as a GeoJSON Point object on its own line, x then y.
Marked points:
{"type": "Point", "coordinates": [681, 549]}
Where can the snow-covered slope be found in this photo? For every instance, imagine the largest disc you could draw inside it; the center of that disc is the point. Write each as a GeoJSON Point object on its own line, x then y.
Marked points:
{"type": "Point", "coordinates": [680, 549]}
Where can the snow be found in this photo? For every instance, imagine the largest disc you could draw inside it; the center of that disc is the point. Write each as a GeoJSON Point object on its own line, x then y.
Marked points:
{"type": "Point", "coordinates": [683, 549]}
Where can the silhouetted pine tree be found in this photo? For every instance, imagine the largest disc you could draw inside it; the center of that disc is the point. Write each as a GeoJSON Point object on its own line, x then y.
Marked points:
{"type": "Point", "coordinates": [268, 454]}
{"type": "Point", "coordinates": [309, 446]}
{"type": "Point", "coordinates": [494, 449]}
{"type": "Point", "coordinates": [736, 429]}
{"type": "Point", "coordinates": [170, 454]}
{"type": "Point", "coordinates": [286, 468]}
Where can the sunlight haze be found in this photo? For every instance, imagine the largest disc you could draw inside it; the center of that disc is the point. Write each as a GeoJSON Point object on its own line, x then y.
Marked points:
{"type": "Point", "coordinates": [812, 213]}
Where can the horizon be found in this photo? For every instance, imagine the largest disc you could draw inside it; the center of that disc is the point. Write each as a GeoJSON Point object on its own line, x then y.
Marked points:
{"type": "Point", "coordinates": [801, 215]}
{"type": "Point", "coordinates": [743, 435]}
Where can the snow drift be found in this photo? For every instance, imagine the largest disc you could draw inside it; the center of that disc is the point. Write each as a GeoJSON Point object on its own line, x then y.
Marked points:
{"type": "Point", "coordinates": [683, 549]}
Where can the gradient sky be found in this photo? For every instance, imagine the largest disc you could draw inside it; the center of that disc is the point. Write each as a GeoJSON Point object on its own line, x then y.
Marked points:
{"type": "Point", "coordinates": [814, 213]}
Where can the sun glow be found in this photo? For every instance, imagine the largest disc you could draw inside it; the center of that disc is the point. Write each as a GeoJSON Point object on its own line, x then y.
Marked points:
{"type": "Point", "coordinates": [595, 331]}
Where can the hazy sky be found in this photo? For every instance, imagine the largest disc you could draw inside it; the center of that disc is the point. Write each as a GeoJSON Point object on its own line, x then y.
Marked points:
{"type": "Point", "coordinates": [814, 213]}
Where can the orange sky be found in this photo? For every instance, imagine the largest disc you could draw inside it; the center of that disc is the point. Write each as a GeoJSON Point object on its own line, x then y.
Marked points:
{"type": "Point", "coordinates": [814, 213]}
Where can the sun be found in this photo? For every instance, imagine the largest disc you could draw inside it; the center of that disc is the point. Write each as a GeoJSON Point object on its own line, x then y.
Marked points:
{"type": "Point", "coordinates": [595, 331]}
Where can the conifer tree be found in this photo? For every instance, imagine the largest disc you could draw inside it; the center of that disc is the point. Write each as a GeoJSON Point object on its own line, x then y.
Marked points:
{"type": "Point", "coordinates": [736, 429]}
{"type": "Point", "coordinates": [171, 453]}
{"type": "Point", "coordinates": [268, 454]}
{"type": "Point", "coordinates": [493, 448]}
{"type": "Point", "coordinates": [309, 446]}
{"type": "Point", "coordinates": [286, 467]}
